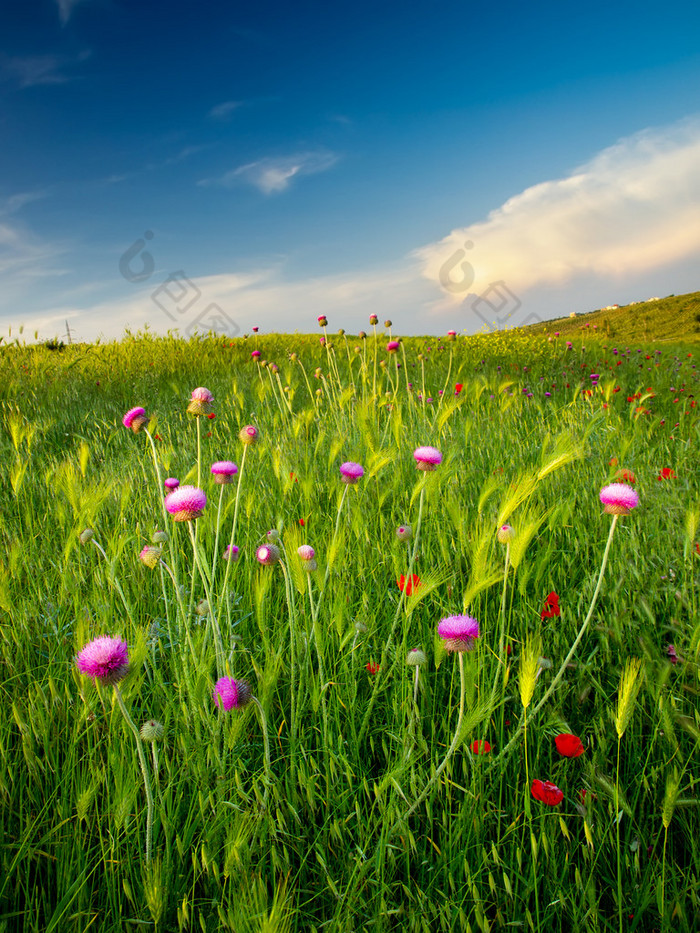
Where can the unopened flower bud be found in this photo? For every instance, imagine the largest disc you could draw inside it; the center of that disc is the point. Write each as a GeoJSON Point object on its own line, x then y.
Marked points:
{"type": "Point", "coordinates": [248, 435]}
{"type": "Point", "coordinates": [152, 731]}
{"type": "Point", "coordinates": [150, 556]}
{"type": "Point", "coordinates": [505, 534]}
{"type": "Point", "coordinates": [268, 554]}
{"type": "Point", "coordinates": [415, 657]}
{"type": "Point", "coordinates": [86, 535]}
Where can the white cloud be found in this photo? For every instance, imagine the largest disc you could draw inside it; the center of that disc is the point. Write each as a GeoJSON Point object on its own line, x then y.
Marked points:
{"type": "Point", "coordinates": [65, 9]}
{"type": "Point", "coordinates": [35, 70]}
{"type": "Point", "coordinates": [15, 202]}
{"type": "Point", "coordinates": [224, 110]}
{"type": "Point", "coordinates": [633, 208]}
{"type": "Point", "coordinates": [262, 297]}
{"type": "Point", "coordinates": [273, 175]}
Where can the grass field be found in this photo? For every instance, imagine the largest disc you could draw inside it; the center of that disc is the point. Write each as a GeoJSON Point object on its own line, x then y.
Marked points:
{"type": "Point", "coordinates": [674, 318]}
{"type": "Point", "coordinates": [356, 791]}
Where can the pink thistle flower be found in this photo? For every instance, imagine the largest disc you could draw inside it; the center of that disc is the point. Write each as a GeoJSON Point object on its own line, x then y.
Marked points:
{"type": "Point", "coordinates": [224, 471]}
{"type": "Point", "coordinates": [171, 483]}
{"type": "Point", "coordinates": [232, 553]}
{"type": "Point", "coordinates": [232, 694]}
{"type": "Point", "coordinates": [404, 533]}
{"type": "Point", "coordinates": [458, 632]}
{"type": "Point", "coordinates": [135, 419]}
{"type": "Point", "coordinates": [427, 458]}
{"type": "Point", "coordinates": [186, 503]}
{"type": "Point", "coordinates": [350, 472]}
{"type": "Point", "coordinates": [373, 319]}
{"type": "Point", "coordinates": [619, 498]}
{"type": "Point", "coordinates": [105, 659]}
{"type": "Point", "coordinates": [248, 435]}
{"type": "Point", "coordinates": [392, 346]}
{"type": "Point", "coordinates": [306, 552]}
{"type": "Point", "coordinates": [255, 330]}
{"type": "Point", "coordinates": [255, 354]}
{"type": "Point", "coordinates": [268, 554]}
{"type": "Point", "coordinates": [201, 402]}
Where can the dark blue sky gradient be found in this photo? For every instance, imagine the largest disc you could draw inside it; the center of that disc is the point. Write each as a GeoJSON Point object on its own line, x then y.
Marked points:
{"type": "Point", "coordinates": [432, 116]}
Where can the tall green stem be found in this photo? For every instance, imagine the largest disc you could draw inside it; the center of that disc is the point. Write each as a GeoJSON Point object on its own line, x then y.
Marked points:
{"type": "Point", "coordinates": [387, 644]}
{"type": "Point", "coordinates": [144, 771]}
{"type": "Point", "coordinates": [560, 673]}
{"type": "Point", "coordinates": [450, 751]}
{"type": "Point", "coordinates": [216, 632]}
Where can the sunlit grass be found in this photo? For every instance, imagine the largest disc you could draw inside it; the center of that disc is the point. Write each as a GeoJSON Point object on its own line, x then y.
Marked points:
{"type": "Point", "coordinates": [329, 836]}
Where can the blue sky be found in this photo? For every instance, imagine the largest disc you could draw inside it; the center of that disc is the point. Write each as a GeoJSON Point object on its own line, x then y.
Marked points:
{"type": "Point", "coordinates": [293, 160]}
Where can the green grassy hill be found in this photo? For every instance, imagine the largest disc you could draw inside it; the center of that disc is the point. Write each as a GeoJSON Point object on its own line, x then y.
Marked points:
{"type": "Point", "coordinates": [676, 317]}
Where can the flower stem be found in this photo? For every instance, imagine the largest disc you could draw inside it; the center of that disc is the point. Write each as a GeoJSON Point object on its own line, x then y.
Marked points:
{"type": "Point", "coordinates": [560, 673]}
{"type": "Point", "coordinates": [448, 755]}
{"type": "Point", "coordinates": [144, 771]}
{"type": "Point", "coordinates": [218, 645]}
{"type": "Point", "coordinates": [387, 644]}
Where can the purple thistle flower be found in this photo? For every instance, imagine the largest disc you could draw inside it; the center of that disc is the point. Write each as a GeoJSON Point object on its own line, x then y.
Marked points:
{"type": "Point", "coordinates": [427, 458]}
{"type": "Point", "coordinates": [186, 503]}
{"type": "Point", "coordinates": [619, 498]}
{"type": "Point", "coordinates": [232, 553]}
{"type": "Point", "coordinates": [224, 471]}
{"type": "Point", "coordinates": [135, 419]}
{"type": "Point", "coordinates": [105, 659]}
{"type": "Point", "coordinates": [171, 483]}
{"type": "Point", "coordinates": [201, 401]}
{"type": "Point", "coordinates": [232, 694]}
{"type": "Point", "coordinates": [458, 632]}
{"type": "Point", "coordinates": [350, 472]}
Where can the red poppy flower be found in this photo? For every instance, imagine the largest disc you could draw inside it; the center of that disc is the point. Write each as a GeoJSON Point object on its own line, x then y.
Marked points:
{"type": "Point", "coordinates": [480, 747]}
{"type": "Point", "coordinates": [408, 584]}
{"type": "Point", "coordinates": [157, 437]}
{"type": "Point", "coordinates": [302, 522]}
{"type": "Point", "coordinates": [546, 792]}
{"type": "Point", "coordinates": [211, 416]}
{"type": "Point", "coordinates": [458, 388]}
{"type": "Point", "coordinates": [626, 476]}
{"type": "Point", "coordinates": [568, 745]}
{"type": "Point", "coordinates": [666, 473]}
{"type": "Point", "coordinates": [372, 667]}
{"type": "Point", "coordinates": [551, 607]}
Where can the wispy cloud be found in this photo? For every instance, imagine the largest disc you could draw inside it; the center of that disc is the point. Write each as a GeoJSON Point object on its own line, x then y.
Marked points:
{"type": "Point", "coordinates": [274, 175]}
{"type": "Point", "coordinates": [633, 208]}
{"type": "Point", "coordinates": [36, 70]}
{"type": "Point", "coordinates": [225, 110]}
{"type": "Point", "coordinates": [65, 9]}
{"type": "Point", "coordinates": [15, 202]}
